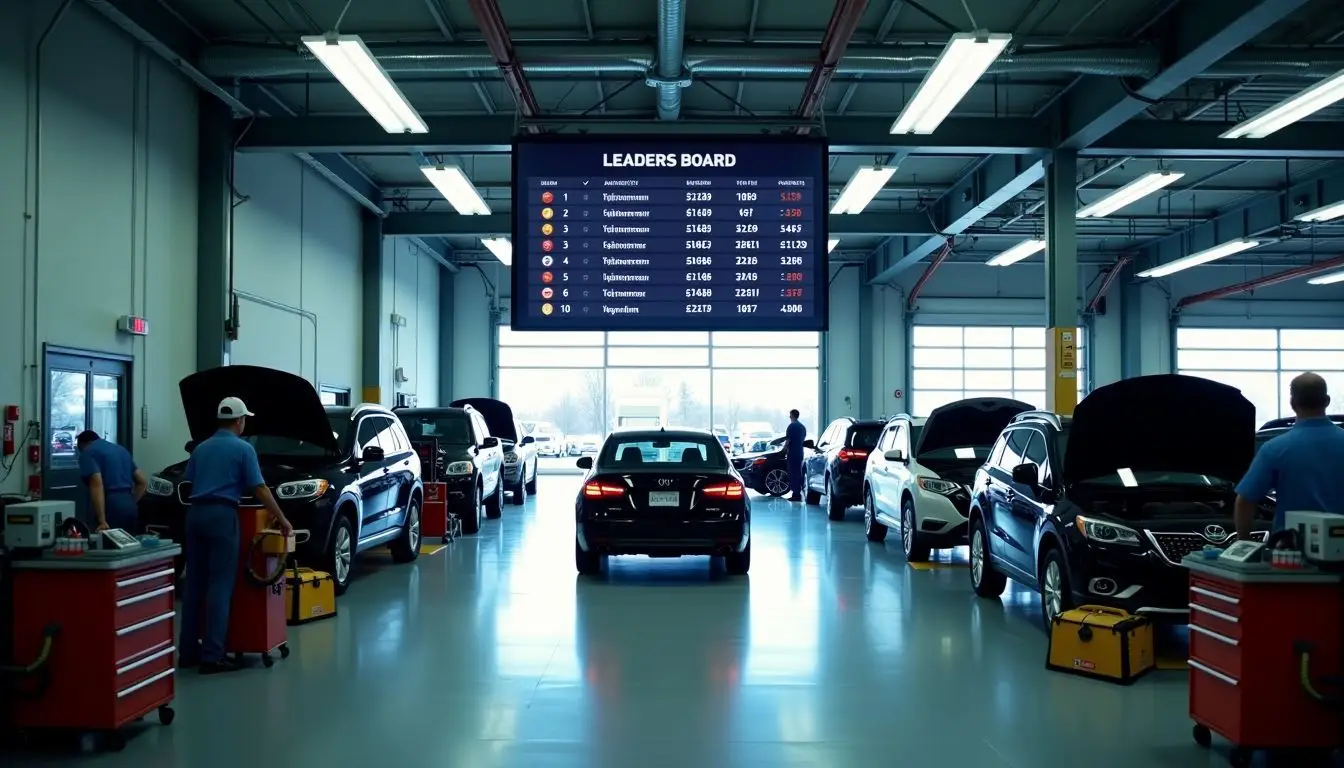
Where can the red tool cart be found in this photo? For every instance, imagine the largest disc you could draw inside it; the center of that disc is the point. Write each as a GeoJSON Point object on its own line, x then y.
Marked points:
{"type": "Point", "coordinates": [436, 522]}
{"type": "Point", "coordinates": [104, 623]}
{"type": "Point", "coordinates": [1250, 626]}
{"type": "Point", "coordinates": [257, 612]}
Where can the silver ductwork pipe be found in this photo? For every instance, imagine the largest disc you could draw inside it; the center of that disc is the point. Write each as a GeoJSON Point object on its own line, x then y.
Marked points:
{"type": "Point", "coordinates": [671, 39]}
{"type": "Point", "coordinates": [735, 59]}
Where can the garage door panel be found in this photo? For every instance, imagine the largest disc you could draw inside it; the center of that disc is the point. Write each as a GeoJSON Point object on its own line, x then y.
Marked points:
{"type": "Point", "coordinates": [989, 358]}
{"type": "Point", "coordinates": [931, 357]}
{"type": "Point", "coordinates": [1311, 338]}
{"type": "Point", "coordinates": [1230, 360]}
{"type": "Point", "coordinates": [995, 338]}
{"type": "Point", "coordinates": [1226, 338]}
{"type": "Point", "coordinates": [995, 361]}
{"type": "Point", "coordinates": [1001, 379]}
{"type": "Point", "coordinates": [1262, 361]}
{"type": "Point", "coordinates": [1313, 360]}
{"type": "Point", "coordinates": [938, 378]}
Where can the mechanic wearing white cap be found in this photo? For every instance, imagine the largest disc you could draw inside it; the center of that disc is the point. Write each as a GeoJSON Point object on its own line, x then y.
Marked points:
{"type": "Point", "coordinates": [222, 470]}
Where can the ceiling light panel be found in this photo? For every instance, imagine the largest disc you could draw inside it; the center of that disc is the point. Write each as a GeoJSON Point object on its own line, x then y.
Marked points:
{"type": "Point", "coordinates": [861, 188]}
{"type": "Point", "coordinates": [355, 68]}
{"type": "Point", "coordinates": [1330, 279]}
{"type": "Point", "coordinates": [1017, 253]}
{"type": "Point", "coordinates": [1324, 213]}
{"type": "Point", "coordinates": [1202, 257]}
{"type": "Point", "coordinates": [1291, 109]}
{"type": "Point", "coordinates": [457, 189]}
{"type": "Point", "coordinates": [959, 67]}
{"type": "Point", "coordinates": [501, 247]}
{"type": "Point", "coordinates": [1130, 193]}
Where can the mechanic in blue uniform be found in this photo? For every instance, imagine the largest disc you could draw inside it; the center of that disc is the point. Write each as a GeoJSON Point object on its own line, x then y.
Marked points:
{"type": "Point", "coordinates": [115, 483]}
{"type": "Point", "coordinates": [222, 470]}
{"type": "Point", "coordinates": [794, 435]}
{"type": "Point", "coordinates": [1302, 466]}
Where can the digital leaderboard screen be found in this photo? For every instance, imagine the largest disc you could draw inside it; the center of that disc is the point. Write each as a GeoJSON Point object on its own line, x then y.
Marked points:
{"type": "Point", "coordinates": [669, 233]}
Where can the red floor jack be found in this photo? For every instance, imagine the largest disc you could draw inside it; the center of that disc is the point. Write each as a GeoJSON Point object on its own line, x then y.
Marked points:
{"type": "Point", "coordinates": [257, 611]}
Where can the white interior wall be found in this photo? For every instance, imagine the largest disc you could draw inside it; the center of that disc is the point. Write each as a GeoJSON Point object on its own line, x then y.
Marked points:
{"type": "Point", "coordinates": [411, 290]}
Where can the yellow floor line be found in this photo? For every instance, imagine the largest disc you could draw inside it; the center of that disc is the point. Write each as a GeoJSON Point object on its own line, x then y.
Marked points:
{"type": "Point", "coordinates": [933, 565]}
{"type": "Point", "coordinates": [432, 549]}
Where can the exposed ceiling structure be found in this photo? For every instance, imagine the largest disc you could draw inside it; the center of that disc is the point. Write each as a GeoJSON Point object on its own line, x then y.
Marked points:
{"type": "Point", "coordinates": [1134, 86]}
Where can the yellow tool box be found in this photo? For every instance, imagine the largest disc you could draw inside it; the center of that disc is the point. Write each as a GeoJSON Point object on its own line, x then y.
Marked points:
{"type": "Point", "coordinates": [1105, 643]}
{"type": "Point", "coordinates": [312, 596]}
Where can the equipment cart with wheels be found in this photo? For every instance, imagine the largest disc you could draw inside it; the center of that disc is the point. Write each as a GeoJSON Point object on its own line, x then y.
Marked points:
{"type": "Point", "coordinates": [1259, 636]}
{"type": "Point", "coordinates": [111, 656]}
{"type": "Point", "coordinates": [257, 612]}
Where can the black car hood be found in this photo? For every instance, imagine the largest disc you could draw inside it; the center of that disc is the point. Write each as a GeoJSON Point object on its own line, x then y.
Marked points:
{"type": "Point", "coordinates": [497, 414]}
{"type": "Point", "coordinates": [1164, 423]}
{"type": "Point", "coordinates": [971, 422]}
{"type": "Point", "coordinates": [285, 405]}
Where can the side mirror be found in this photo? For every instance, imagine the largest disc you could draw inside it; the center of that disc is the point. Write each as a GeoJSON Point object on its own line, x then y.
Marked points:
{"type": "Point", "coordinates": [372, 454]}
{"type": "Point", "coordinates": [896, 455]}
{"type": "Point", "coordinates": [191, 446]}
{"type": "Point", "coordinates": [809, 444]}
{"type": "Point", "coordinates": [528, 440]}
{"type": "Point", "coordinates": [585, 462]}
{"type": "Point", "coordinates": [490, 442]}
{"type": "Point", "coordinates": [1027, 474]}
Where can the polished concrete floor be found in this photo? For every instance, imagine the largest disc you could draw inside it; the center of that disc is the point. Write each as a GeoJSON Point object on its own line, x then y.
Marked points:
{"type": "Point", "coordinates": [833, 653]}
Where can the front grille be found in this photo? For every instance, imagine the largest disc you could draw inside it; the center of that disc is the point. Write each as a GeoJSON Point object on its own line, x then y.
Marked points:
{"type": "Point", "coordinates": [1174, 546]}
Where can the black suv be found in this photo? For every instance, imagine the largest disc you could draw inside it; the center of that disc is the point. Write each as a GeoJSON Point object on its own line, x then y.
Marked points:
{"type": "Point", "coordinates": [520, 450]}
{"type": "Point", "coordinates": [836, 469]}
{"type": "Point", "coordinates": [346, 475]}
{"type": "Point", "coordinates": [467, 460]}
{"type": "Point", "coordinates": [1100, 508]}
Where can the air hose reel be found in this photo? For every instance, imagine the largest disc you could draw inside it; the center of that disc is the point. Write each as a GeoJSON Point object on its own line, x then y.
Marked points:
{"type": "Point", "coordinates": [272, 543]}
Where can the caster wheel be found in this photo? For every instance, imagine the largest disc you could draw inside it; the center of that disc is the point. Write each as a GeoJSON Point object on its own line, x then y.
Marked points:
{"type": "Point", "coordinates": [284, 651]}
{"type": "Point", "coordinates": [114, 741]}
{"type": "Point", "coordinates": [446, 540]}
{"type": "Point", "coordinates": [1202, 736]}
{"type": "Point", "coordinates": [167, 715]}
{"type": "Point", "coordinates": [267, 661]}
{"type": "Point", "coordinates": [1239, 758]}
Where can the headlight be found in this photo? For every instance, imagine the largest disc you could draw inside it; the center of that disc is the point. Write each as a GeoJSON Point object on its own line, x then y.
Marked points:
{"type": "Point", "coordinates": [1103, 532]}
{"type": "Point", "coordinates": [159, 487]}
{"type": "Point", "coordinates": [302, 489]}
{"type": "Point", "coordinates": [934, 485]}
{"type": "Point", "coordinates": [460, 468]}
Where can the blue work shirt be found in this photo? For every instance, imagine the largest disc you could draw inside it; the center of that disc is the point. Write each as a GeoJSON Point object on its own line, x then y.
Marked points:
{"type": "Point", "coordinates": [223, 469]}
{"type": "Point", "coordinates": [794, 434]}
{"type": "Point", "coordinates": [1302, 467]}
{"type": "Point", "coordinates": [113, 462]}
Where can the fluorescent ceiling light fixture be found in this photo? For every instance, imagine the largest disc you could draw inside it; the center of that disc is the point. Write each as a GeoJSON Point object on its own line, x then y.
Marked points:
{"type": "Point", "coordinates": [1202, 257]}
{"type": "Point", "coordinates": [457, 189]}
{"type": "Point", "coordinates": [1132, 192]}
{"type": "Point", "coordinates": [861, 188]}
{"type": "Point", "coordinates": [1017, 253]}
{"type": "Point", "coordinates": [501, 247]}
{"type": "Point", "coordinates": [830, 244]}
{"type": "Point", "coordinates": [1324, 213]}
{"type": "Point", "coordinates": [1291, 109]}
{"type": "Point", "coordinates": [353, 66]}
{"type": "Point", "coordinates": [961, 64]}
{"type": "Point", "coordinates": [1330, 279]}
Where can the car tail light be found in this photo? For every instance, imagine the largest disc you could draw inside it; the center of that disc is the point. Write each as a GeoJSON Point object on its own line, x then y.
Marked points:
{"type": "Point", "coordinates": [596, 490]}
{"type": "Point", "coordinates": [851, 454]}
{"type": "Point", "coordinates": [723, 490]}
{"type": "Point", "coordinates": [758, 462]}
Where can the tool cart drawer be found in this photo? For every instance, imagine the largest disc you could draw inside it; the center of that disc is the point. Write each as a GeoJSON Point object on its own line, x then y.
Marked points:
{"type": "Point", "coordinates": [146, 605]}
{"type": "Point", "coordinates": [1217, 651]}
{"type": "Point", "coordinates": [132, 641]}
{"type": "Point", "coordinates": [145, 665]}
{"type": "Point", "coordinates": [131, 582]}
{"type": "Point", "coordinates": [138, 699]}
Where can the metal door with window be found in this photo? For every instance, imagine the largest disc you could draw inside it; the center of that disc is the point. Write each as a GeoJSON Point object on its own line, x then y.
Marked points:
{"type": "Point", "coordinates": [83, 391]}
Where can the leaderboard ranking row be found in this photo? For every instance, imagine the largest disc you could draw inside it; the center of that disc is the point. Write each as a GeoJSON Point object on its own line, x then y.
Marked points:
{"type": "Point", "coordinates": [624, 213]}
{"type": "Point", "coordinates": [746, 282]}
{"type": "Point", "coordinates": [740, 310]}
{"type": "Point", "coordinates": [627, 184]}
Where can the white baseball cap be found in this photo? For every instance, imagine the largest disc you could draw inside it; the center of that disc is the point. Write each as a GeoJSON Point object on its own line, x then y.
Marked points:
{"type": "Point", "coordinates": [232, 408]}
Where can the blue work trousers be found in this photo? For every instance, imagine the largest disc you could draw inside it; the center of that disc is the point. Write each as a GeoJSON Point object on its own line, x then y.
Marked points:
{"type": "Point", "coordinates": [795, 474]}
{"type": "Point", "coordinates": [122, 512]}
{"type": "Point", "coordinates": [212, 567]}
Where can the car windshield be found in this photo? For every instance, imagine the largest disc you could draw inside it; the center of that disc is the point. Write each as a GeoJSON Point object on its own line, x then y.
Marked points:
{"type": "Point", "coordinates": [865, 437]}
{"type": "Point", "coordinates": [453, 429]}
{"type": "Point", "coordinates": [683, 452]}
{"type": "Point", "coordinates": [288, 447]}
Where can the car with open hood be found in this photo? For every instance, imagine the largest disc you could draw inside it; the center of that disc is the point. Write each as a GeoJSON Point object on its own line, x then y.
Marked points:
{"type": "Point", "coordinates": [457, 449]}
{"type": "Point", "coordinates": [347, 475]}
{"type": "Point", "coordinates": [918, 477]}
{"type": "Point", "coordinates": [1100, 508]}
{"type": "Point", "coordinates": [519, 447]}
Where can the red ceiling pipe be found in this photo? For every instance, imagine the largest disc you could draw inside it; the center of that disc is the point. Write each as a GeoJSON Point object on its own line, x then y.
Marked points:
{"type": "Point", "coordinates": [844, 20]}
{"type": "Point", "coordinates": [1261, 282]}
{"type": "Point", "coordinates": [934, 264]}
{"type": "Point", "coordinates": [1106, 282]}
{"type": "Point", "coordinates": [496, 34]}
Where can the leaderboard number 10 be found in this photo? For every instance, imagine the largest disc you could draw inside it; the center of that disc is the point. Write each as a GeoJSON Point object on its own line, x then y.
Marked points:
{"type": "Point", "coordinates": [743, 309]}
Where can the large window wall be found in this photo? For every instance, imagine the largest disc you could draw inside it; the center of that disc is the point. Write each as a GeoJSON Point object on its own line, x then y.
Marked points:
{"type": "Point", "coordinates": [1261, 361]}
{"type": "Point", "coordinates": [577, 381]}
{"type": "Point", "coordinates": [952, 362]}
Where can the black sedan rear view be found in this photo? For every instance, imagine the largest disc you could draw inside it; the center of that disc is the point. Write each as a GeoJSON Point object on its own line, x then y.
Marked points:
{"type": "Point", "coordinates": [661, 493]}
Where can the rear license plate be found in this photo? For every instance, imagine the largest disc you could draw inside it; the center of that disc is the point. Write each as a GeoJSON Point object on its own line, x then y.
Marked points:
{"type": "Point", "coordinates": [657, 499]}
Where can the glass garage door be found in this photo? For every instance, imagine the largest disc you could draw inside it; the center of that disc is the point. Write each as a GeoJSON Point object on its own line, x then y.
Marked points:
{"type": "Point", "coordinates": [1261, 361]}
{"type": "Point", "coordinates": [949, 363]}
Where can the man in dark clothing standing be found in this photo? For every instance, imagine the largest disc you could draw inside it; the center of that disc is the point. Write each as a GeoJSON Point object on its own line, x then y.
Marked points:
{"type": "Point", "coordinates": [115, 483]}
{"type": "Point", "coordinates": [794, 435]}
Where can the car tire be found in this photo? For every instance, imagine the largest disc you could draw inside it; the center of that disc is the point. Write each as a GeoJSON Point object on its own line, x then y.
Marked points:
{"type": "Point", "coordinates": [811, 497]}
{"type": "Point", "coordinates": [494, 506]}
{"type": "Point", "coordinates": [406, 547]}
{"type": "Point", "coordinates": [518, 494]}
{"type": "Point", "coordinates": [738, 563]}
{"type": "Point", "coordinates": [872, 527]}
{"type": "Point", "coordinates": [471, 522]}
{"type": "Point", "coordinates": [776, 482]}
{"type": "Point", "coordinates": [341, 554]}
{"type": "Point", "coordinates": [912, 541]}
{"type": "Point", "coordinates": [985, 581]}
{"type": "Point", "coordinates": [835, 506]}
{"type": "Point", "coordinates": [1055, 586]}
{"type": "Point", "coordinates": [532, 484]}
{"type": "Point", "coordinates": [587, 563]}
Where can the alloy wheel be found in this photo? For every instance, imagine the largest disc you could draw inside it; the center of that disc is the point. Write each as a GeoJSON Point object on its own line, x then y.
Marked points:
{"type": "Point", "coordinates": [343, 554]}
{"type": "Point", "coordinates": [867, 513]}
{"type": "Point", "coordinates": [777, 482]}
{"type": "Point", "coordinates": [907, 530]}
{"type": "Point", "coordinates": [413, 526]}
{"type": "Point", "coordinates": [1052, 591]}
{"type": "Point", "coordinates": [977, 557]}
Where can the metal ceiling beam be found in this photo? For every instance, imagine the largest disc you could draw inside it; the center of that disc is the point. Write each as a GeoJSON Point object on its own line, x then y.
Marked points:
{"type": "Point", "coordinates": [496, 34]}
{"type": "Point", "coordinates": [839, 31]}
{"type": "Point", "coordinates": [980, 193]}
{"type": "Point", "coordinates": [1202, 35]}
{"type": "Point", "coordinates": [450, 224]}
{"type": "Point", "coordinates": [1297, 273]}
{"type": "Point", "coordinates": [1197, 139]}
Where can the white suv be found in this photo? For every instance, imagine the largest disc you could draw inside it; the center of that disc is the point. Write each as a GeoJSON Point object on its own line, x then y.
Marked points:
{"type": "Point", "coordinates": [917, 479]}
